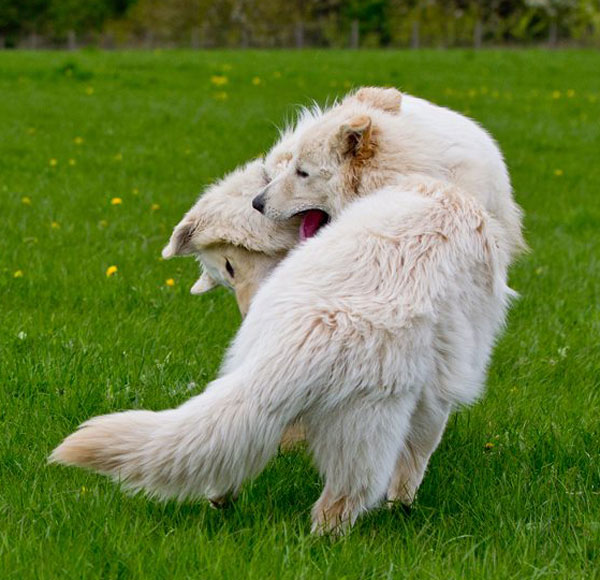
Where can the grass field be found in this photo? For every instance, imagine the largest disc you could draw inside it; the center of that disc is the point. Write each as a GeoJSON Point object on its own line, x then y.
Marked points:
{"type": "Point", "coordinates": [79, 132]}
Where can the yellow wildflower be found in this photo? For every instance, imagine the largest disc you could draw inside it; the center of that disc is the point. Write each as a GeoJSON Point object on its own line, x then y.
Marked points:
{"type": "Point", "coordinates": [55, 226]}
{"type": "Point", "coordinates": [556, 94]}
{"type": "Point", "coordinates": [155, 207]}
{"type": "Point", "coordinates": [558, 172]}
{"type": "Point", "coordinates": [256, 81]}
{"type": "Point", "coordinates": [218, 80]}
{"type": "Point", "coordinates": [118, 157]}
{"type": "Point", "coordinates": [170, 282]}
{"type": "Point", "coordinates": [26, 200]}
{"type": "Point", "coordinates": [89, 90]}
{"type": "Point", "coordinates": [102, 224]}
{"type": "Point", "coordinates": [489, 446]}
{"type": "Point", "coordinates": [18, 274]}
{"type": "Point", "coordinates": [116, 201]}
{"type": "Point", "coordinates": [110, 271]}
{"type": "Point", "coordinates": [78, 140]}
{"type": "Point", "coordinates": [72, 162]}
{"type": "Point", "coordinates": [53, 162]}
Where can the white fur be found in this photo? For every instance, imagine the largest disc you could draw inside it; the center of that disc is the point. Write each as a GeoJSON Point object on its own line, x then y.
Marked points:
{"type": "Point", "coordinates": [371, 332]}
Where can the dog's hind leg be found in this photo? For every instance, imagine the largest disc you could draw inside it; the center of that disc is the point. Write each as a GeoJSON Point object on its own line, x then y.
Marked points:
{"type": "Point", "coordinates": [355, 448]}
{"type": "Point", "coordinates": [427, 426]}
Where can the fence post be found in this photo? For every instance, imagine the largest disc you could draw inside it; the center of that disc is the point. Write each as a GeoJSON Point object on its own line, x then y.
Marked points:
{"type": "Point", "coordinates": [195, 38]}
{"type": "Point", "coordinates": [299, 34]}
{"type": "Point", "coordinates": [354, 34]}
{"type": "Point", "coordinates": [414, 38]}
{"type": "Point", "coordinates": [71, 40]}
{"type": "Point", "coordinates": [478, 34]}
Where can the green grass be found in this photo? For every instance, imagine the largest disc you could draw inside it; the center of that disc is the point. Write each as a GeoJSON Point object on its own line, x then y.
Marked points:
{"type": "Point", "coordinates": [76, 343]}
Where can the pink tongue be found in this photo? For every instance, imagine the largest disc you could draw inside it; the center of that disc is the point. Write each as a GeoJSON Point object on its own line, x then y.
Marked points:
{"type": "Point", "coordinates": [311, 222]}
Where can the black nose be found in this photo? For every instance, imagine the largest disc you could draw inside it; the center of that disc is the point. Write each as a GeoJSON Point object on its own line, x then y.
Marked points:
{"type": "Point", "coordinates": [258, 203]}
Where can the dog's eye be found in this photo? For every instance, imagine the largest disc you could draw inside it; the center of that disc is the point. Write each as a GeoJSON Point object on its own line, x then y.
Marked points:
{"type": "Point", "coordinates": [266, 177]}
{"type": "Point", "coordinates": [229, 268]}
{"type": "Point", "coordinates": [301, 173]}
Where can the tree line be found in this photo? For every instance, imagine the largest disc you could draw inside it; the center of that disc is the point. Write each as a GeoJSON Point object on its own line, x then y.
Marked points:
{"type": "Point", "coordinates": [297, 23]}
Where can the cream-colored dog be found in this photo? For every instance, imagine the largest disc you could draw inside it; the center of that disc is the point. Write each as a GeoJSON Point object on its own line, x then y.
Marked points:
{"type": "Point", "coordinates": [372, 138]}
{"type": "Point", "coordinates": [371, 331]}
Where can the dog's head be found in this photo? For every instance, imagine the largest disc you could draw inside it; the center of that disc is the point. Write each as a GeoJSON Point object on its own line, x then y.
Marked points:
{"type": "Point", "coordinates": [236, 246]}
{"type": "Point", "coordinates": [329, 155]}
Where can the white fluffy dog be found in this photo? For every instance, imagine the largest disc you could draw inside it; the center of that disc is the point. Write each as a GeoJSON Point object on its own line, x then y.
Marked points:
{"type": "Point", "coordinates": [371, 332]}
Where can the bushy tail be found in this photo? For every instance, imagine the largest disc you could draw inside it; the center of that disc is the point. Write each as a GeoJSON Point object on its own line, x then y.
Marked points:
{"type": "Point", "coordinates": [207, 447]}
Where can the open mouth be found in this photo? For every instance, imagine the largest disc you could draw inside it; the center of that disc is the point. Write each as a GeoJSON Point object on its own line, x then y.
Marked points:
{"type": "Point", "coordinates": [312, 221]}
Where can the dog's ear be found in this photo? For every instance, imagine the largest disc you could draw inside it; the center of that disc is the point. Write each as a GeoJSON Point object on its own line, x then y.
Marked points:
{"type": "Point", "coordinates": [180, 243]}
{"type": "Point", "coordinates": [205, 283]}
{"type": "Point", "coordinates": [354, 137]}
{"type": "Point", "coordinates": [388, 100]}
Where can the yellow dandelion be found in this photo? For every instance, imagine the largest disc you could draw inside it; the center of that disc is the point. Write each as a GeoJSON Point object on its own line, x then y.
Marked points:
{"type": "Point", "coordinates": [53, 162]}
{"type": "Point", "coordinates": [116, 201]}
{"type": "Point", "coordinates": [78, 140]}
{"type": "Point", "coordinates": [18, 274]}
{"type": "Point", "coordinates": [570, 93]}
{"type": "Point", "coordinates": [31, 131]}
{"type": "Point", "coordinates": [558, 172]}
{"type": "Point", "coordinates": [155, 207]}
{"type": "Point", "coordinates": [111, 271]}
{"type": "Point", "coordinates": [72, 162]}
{"type": "Point", "coordinates": [170, 282]}
{"type": "Point", "coordinates": [220, 96]}
{"type": "Point", "coordinates": [219, 80]}
{"type": "Point", "coordinates": [556, 94]}
{"type": "Point", "coordinates": [26, 200]}
{"type": "Point", "coordinates": [89, 91]}
{"type": "Point", "coordinates": [135, 191]}
{"type": "Point", "coordinates": [256, 81]}
{"type": "Point", "coordinates": [488, 446]}
{"type": "Point", "coordinates": [83, 489]}
{"type": "Point", "coordinates": [55, 226]}
{"type": "Point", "coordinates": [118, 157]}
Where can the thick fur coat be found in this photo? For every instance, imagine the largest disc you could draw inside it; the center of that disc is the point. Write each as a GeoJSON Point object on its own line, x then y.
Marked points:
{"type": "Point", "coordinates": [371, 332]}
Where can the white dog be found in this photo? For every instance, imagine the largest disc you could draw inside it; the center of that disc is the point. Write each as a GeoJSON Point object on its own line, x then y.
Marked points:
{"type": "Point", "coordinates": [371, 332]}
{"type": "Point", "coordinates": [368, 141]}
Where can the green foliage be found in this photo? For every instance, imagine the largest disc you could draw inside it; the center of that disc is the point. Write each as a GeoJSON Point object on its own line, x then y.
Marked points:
{"type": "Point", "coordinates": [152, 129]}
{"type": "Point", "coordinates": [283, 23]}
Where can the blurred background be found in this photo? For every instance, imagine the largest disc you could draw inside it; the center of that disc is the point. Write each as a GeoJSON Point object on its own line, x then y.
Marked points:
{"type": "Point", "coordinates": [108, 24]}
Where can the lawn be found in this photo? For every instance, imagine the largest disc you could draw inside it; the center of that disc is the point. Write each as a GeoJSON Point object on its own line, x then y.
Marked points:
{"type": "Point", "coordinates": [100, 156]}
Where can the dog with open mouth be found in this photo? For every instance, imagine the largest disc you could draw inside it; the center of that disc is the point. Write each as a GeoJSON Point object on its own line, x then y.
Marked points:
{"type": "Point", "coordinates": [371, 331]}
{"type": "Point", "coordinates": [368, 141]}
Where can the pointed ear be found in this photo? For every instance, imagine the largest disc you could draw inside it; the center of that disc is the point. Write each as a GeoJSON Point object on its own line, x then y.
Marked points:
{"type": "Point", "coordinates": [180, 243]}
{"type": "Point", "coordinates": [388, 100]}
{"type": "Point", "coordinates": [354, 137]}
{"type": "Point", "coordinates": [205, 283]}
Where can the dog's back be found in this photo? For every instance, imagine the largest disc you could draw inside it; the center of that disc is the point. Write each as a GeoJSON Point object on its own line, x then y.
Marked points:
{"type": "Point", "coordinates": [418, 260]}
